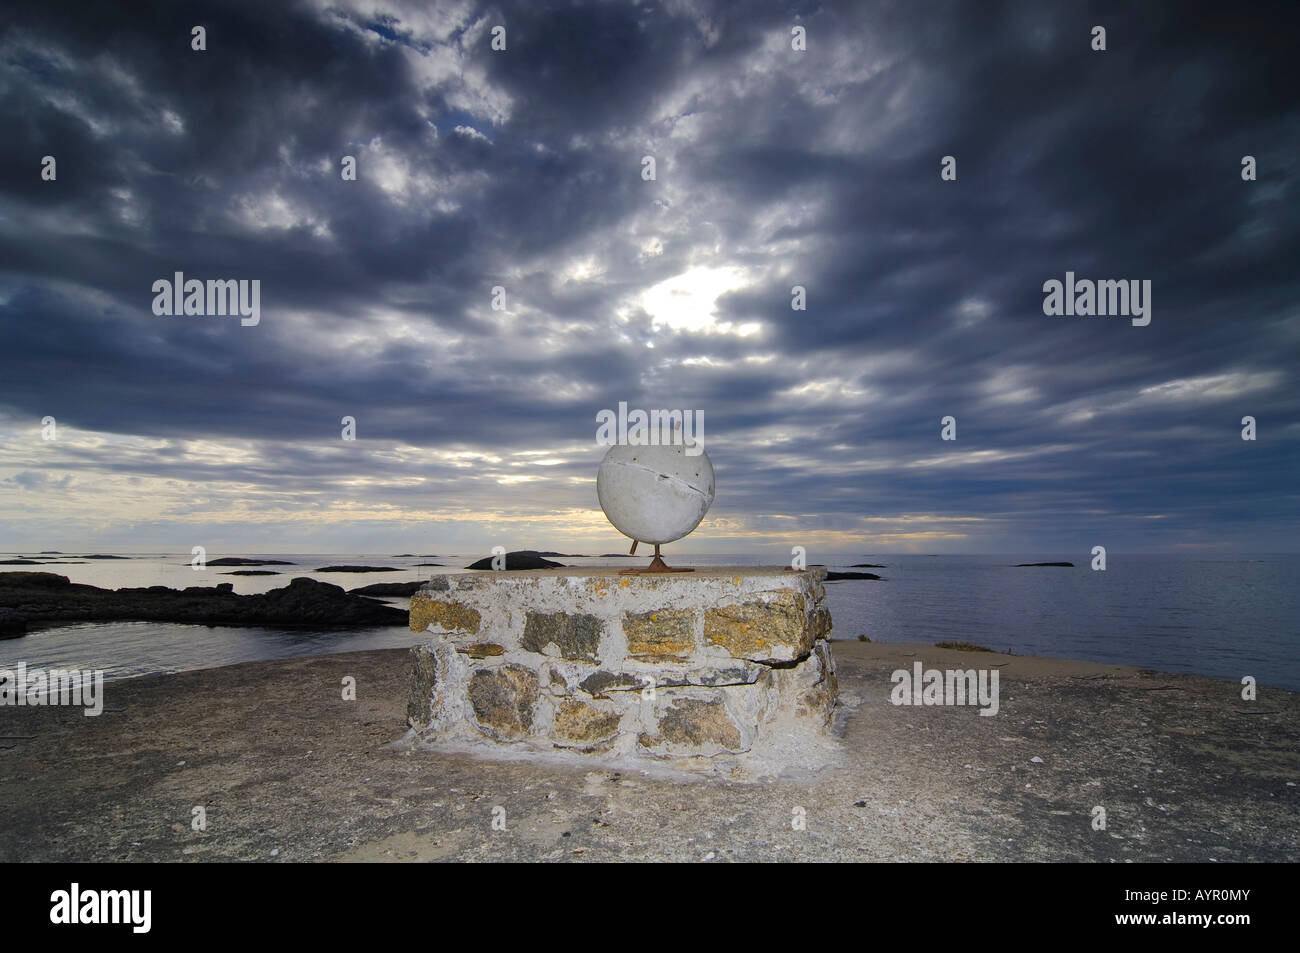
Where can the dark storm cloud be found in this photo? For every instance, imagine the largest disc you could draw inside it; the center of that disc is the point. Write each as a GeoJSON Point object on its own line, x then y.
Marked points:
{"type": "Point", "coordinates": [523, 169]}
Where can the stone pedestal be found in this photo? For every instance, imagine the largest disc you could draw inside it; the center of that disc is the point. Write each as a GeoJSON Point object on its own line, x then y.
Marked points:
{"type": "Point", "coordinates": [716, 662]}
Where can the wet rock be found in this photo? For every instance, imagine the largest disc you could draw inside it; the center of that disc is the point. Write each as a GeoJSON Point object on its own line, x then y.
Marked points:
{"type": "Point", "coordinates": [308, 602]}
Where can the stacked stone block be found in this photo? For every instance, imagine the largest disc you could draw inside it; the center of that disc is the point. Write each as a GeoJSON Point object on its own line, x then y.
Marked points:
{"type": "Point", "coordinates": [678, 665]}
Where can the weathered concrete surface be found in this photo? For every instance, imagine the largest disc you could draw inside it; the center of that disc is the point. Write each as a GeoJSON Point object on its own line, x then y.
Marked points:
{"type": "Point", "coordinates": [290, 771]}
{"type": "Point", "coordinates": [728, 666]}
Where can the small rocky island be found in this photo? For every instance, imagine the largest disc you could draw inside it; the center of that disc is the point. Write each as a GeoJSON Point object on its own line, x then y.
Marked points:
{"type": "Point", "coordinates": [520, 559]}
{"type": "Point", "coordinates": [40, 599]}
{"type": "Point", "coordinates": [388, 589]}
{"type": "Point", "coordinates": [242, 561]}
{"type": "Point", "coordinates": [358, 569]}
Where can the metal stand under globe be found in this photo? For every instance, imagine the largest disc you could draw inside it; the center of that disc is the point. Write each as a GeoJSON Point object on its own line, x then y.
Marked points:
{"type": "Point", "coordinates": [656, 565]}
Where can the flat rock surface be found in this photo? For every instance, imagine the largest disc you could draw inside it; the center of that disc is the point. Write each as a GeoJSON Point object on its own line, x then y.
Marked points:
{"type": "Point", "coordinates": [288, 770]}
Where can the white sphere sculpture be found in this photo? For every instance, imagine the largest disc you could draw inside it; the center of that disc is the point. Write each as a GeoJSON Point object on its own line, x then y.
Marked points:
{"type": "Point", "coordinates": [655, 494]}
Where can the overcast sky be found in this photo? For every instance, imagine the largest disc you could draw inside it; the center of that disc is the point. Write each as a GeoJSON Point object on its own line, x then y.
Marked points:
{"type": "Point", "coordinates": [523, 169]}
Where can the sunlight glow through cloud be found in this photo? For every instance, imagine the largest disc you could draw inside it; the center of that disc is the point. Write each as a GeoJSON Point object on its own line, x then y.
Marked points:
{"type": "Point", "coordinates": [687, 302]}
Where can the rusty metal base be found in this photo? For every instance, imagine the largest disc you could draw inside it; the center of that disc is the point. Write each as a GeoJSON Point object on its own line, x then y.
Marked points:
{"type": "Point", "coordinates": [656, 565]}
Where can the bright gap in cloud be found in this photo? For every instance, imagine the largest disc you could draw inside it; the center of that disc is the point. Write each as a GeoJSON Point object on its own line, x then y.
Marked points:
{"type": "Point", "coordinates": [686, 302]}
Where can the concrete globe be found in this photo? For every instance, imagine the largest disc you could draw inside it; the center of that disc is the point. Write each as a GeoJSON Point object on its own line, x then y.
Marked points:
{"type": "Point", "coordinates": [655, 494]}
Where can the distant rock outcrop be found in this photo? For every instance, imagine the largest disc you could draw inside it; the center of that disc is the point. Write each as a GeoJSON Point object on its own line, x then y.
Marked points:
{"type": "Point", "coordinates": [1018, 565]}
{"type": "Point", "coordinates": [43, 598]}
{"type": "Point", "coordinates": [522, 559]}
{"type": "Point", "coordinates": [832, 576]}
{"type": "Point", "coordinates": [358, 569]}
{"type": "Point", "coordinates": [388, 589]}
{"type": "Point", "coordinates": [241, 561]}
{"type": "Point", "coordinates": [34, 580]}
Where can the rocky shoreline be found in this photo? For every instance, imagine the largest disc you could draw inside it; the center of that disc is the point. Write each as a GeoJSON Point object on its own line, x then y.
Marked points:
{"type": "Point", "coordinates": [30, 600]}
{"type": "Point", "coordinates": [288, 770]}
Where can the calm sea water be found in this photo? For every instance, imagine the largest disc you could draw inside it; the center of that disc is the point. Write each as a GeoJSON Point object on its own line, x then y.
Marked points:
{"type": "Point", "coordinates": [1226, 616]}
